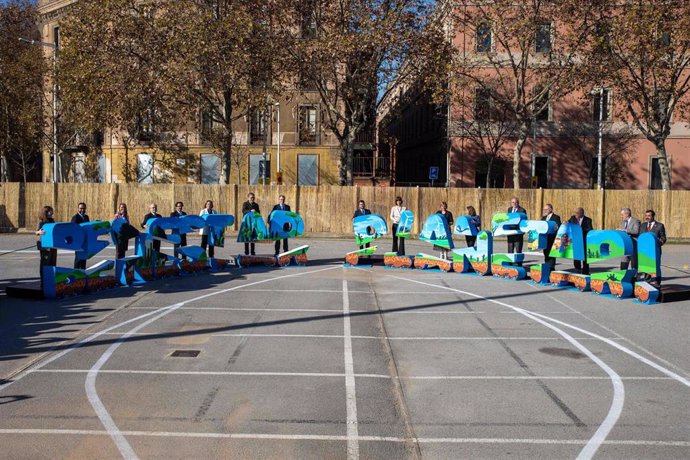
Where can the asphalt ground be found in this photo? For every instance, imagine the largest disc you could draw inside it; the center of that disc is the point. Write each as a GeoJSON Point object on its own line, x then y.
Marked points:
{"type": "Point", "coordinates": [332, 362]}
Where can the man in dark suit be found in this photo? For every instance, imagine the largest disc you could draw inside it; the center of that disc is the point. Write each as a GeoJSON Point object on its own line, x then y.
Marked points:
{"type": "Point", "coordinates": [281, 206]}
{"type": "Point", "coordinates": [79, 218]}
{"type": "Point", "coordinates": [179, 212]}
{"type": "Point", "coordinates": [515, 241]}
{"type": "Point", "coordinates": [631, 226]}
{"type": "Point", "coordinates": [250, 206]}
{"type": "Point", "coordinates": [153, 214]}
{"type": "Point", "coordinates": [361, 211]}
{"type": "Point", "coordinates": [651, 225]}
{"type": "Point", "coordinates": [550, 216]}
{"type": "Point", "coordinates": [585, 224]}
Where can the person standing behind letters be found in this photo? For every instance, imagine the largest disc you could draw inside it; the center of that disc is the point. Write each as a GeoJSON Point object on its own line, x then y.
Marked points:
{"type": "Point", "coordinates": [585, 224]}
{"type": "Point", "coordinates": [515, 241]}
{"type": "Point", "coordinates": [396, 211]}
{"type": "Point", "coordinates": [550, 216]}
{"type": "Point", "coordinates": [476, 220]}
{"type": "Point", "coordinates": [443, 210]}
{"type": "Point", "coordinates": [153, 214]}
{"type": "Point", "coordinates": [79, 218]}
{"type": "Point", "coordinates": [178, 212]}
{"type": "Point", "coordinates": [361, 211]}
{"type": "Point", "coordinates": [208, 209]}
{"type": "Point", "coordinates": [281, 206]}
{"type": "Point", "coordinates": [651, 225]}
{"type": "Point", "coordinates": [250, 206]}
{"type": "Point", "coordinates": [47, 257]}
{"type": "Point", "coordinates": [631, 226]}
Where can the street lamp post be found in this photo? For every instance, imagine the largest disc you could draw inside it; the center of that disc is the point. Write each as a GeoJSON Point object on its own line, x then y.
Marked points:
{"type": "Point", "coordinates": [277, 106]}
{"type": "Point", "coordinates": [263, 153]}
{"type": "Point", "coordinates": [54, 47]}
{"type": "Point", "coordinates": [600, 135]}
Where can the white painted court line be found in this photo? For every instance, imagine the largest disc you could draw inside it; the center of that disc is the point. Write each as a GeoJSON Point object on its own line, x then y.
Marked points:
{"type": "Point", "coordinates": [618, 389]}
{"type": "Point", "coordinates": [121, 442]}
{"type": "Point", "coordinates": [286, 310]}
{"type": "Point", "coordinates": [351, 394]}
{"type": "Point", "coordinates": [308, 437]}
{"type": "Point", "coordinates": [373, 337]}
{"type": "Point", "coordinates": [90, 385]}
{"type": "Point", "coordinates": [340, 375]}
{"type": "Point", "coordinates": [618, 336]}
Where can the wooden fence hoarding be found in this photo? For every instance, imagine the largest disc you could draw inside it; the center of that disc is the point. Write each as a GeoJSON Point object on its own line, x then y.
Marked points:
{"type": "Point", "coordinates": [329, 208]}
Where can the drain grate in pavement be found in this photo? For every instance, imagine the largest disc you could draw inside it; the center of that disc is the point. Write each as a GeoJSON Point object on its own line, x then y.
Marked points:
{"type": "Point", "coordinates": [185, 353]}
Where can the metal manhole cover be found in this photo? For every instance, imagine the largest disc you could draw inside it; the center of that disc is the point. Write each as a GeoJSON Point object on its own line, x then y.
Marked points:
{"type": "Point", "coordinates": [185, 353]}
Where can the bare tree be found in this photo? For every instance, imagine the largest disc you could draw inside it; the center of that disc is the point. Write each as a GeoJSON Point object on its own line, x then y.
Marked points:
{"type": "Point", "coordinates": [524, 50]}
{"type": "Point", "coordinates": [643, 50]}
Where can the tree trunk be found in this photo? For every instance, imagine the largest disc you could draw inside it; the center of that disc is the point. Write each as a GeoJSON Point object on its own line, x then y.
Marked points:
{"type": "Point", "coordinates": [663, 164]}
{"type": "Point", "coordinates": [227, 141]}
{"type": "Point", "coordinates": [346, 164]}
{"type": "Point", "coordinates": [488, 172]}
{"type": "Point", "coordinates": [517, 153]}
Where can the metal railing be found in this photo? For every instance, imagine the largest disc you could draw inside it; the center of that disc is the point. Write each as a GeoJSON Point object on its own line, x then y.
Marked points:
{"type": "Point", "coordinates": [371, 166]}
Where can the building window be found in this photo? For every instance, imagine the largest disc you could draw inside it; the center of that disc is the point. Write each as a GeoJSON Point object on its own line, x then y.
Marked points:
{"type": "Point", "coordinates": [307, 170]}
{"type": "Point", "coordinates": [543, 38]}
{"type": "Point", "coordinates": [210, 168]}
{"type": "Point", "coordinates": [489, 174]}
{"type": "Point", "coordinates": [483, 38]}
{"type": "Point", "coordinates": [257, 168]}
{"type": "Point", "coordinates": [482, 104]}
{"type": "Point", "coordinates": [257, 127]}
{"type": "Point", "coordinates": [655, 181]}
{"type": "Point", "coordinates": [540, 171]}
{"type": "Point", "coordinates": [101, 168]}
{"type": "Point", "coordinates": [145, 168]}
{"type": "Point", "coordinates": [308, 23]}
{"type": "Point", "coordinates": [542, 107]}
{"type": "Point", "coordinates": [56, 37]}
{"type": "Point", "coordinates": [597, 103]}
{"type": "Point", "coordinates": [308, 125]}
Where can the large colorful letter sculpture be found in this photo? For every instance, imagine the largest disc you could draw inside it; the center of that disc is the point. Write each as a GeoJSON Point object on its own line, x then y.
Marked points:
{"type": "Point", "coordinates": [437, 232]}
{"type": "Point", "coordinates": [367, 228]}
{"type": "Point", "coordinates": [83, 239]}
{"type": "Point", "coordinates": [504, 265]}
{"type": "Point", "coordinates": [288, 224]}
{"type": "Point", "coordinates": [475, 259]}
{"type": "Point", "coordinates": [537, 232]}
{"type": "Point", "coordinates": [570, 245]}
{"type": "Point", "coordinates": [393, 259]}
{"type": "Point", "coordinates": [605, 245]}
{"type": "Point", "coordinates": [648, 263]}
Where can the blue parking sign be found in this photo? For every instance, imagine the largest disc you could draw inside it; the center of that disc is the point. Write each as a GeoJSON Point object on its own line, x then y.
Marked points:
{"type": "Point", "coordinates": [433, 173]}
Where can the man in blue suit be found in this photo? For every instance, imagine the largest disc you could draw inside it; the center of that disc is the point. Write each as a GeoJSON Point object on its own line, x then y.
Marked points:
{"type": "Point", "coordinates": [281, 206]}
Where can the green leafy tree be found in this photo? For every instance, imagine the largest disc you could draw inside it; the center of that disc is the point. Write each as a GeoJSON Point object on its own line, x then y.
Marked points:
{"type": "Point", "coordinates": [349, 50]}
{"type": "Point", "coordinates": [22, 72]}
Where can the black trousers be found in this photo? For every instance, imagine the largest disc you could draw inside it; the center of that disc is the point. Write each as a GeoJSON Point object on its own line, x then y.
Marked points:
{"type": "Point", "coordinates": [248, 247]}
{"type": "Point", "coordinates": [581, 267]}
{"type": "Point", "coordinates": [285, 245]}
{"type": "Point", "coordinates": [471, 241]}
{"type": "Point", "coordinates": [121, 247]}
{"type": "Point", "coordinates": [204, 244]}
{"type": "Point", "coordinates": [79, 264]}
{"type": "Point", "coordinates": [515, 244]}
{"type": "Point", "coordinates": [398, 243]}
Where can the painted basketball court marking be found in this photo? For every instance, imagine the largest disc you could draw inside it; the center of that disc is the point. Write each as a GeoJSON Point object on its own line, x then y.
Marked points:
{"type": "Point", "coordinates": [316, 437]}
{"type": "Point", "coordinates": [618, 389]}
{"type": "Point", "coordinates": [351, 394]}
{"type": "Point", "coordinates": [90, 385]}
{"type": "Point", "coordinates": [618, 336]}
